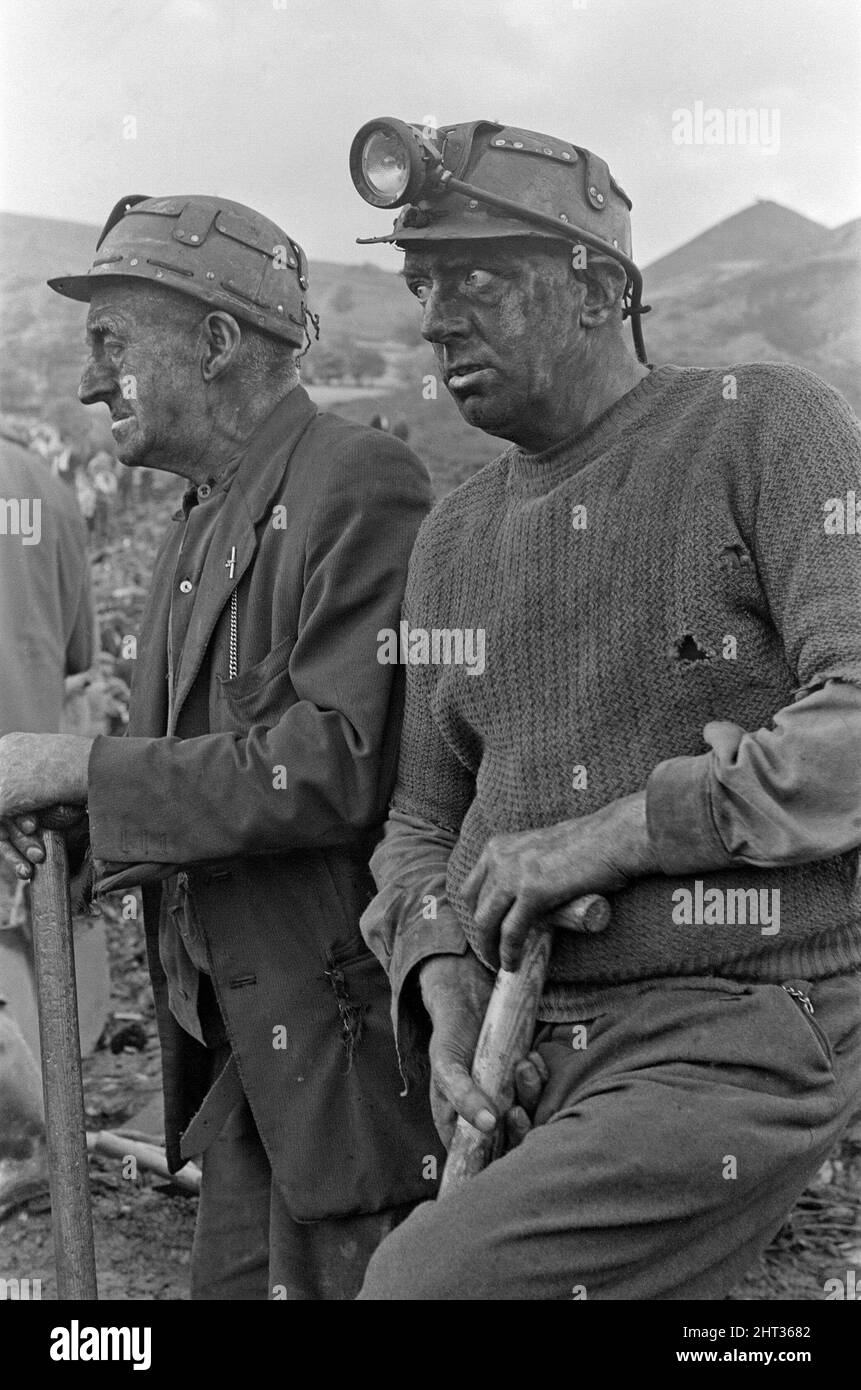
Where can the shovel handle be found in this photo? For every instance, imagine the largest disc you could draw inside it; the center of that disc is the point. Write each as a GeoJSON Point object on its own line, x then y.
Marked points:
{"type": "Point", "coordinates": [507, 1032]}
{"type": "Point", "coordinates": [53, 951]}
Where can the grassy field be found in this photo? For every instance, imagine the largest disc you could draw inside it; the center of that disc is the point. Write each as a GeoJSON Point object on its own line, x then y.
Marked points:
{"type": "Point", "coordinates": [450, 449]}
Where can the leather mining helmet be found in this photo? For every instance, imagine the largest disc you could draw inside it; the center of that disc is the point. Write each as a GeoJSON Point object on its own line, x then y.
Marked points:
{"type": "Point", "coordinates": [541, 173]}
{"type": "Point", "coordinates": [224, 254]}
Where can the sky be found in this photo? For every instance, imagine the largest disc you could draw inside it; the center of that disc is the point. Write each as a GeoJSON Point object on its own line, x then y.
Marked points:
{"type": "Point", "coordinates": [258, 100]}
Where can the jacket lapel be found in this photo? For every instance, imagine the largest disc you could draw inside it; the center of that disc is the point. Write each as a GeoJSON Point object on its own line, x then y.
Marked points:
{"type": "Point", "coordinates": [149, 694]}
{"type": "Point", "coordinates": [254, 485]}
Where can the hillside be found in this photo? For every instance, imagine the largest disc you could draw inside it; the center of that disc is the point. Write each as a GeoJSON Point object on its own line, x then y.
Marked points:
{"type": "Point", "coordinates": [764, 233]}
{"type": "Point", "coordinates": [767, 284]}
{"type": "Point", "coordinates": [763, 283]}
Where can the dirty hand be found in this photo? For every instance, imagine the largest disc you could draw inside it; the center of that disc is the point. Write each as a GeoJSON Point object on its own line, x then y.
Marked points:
{"type": "Point", "coordinates": [521, 877]}
{"type": "Point", "coordinates": [456, 991]}
{"type": "Point", "coordinates": [37, 771]}
{"type": "Point", "coordinates": [530, 1078]}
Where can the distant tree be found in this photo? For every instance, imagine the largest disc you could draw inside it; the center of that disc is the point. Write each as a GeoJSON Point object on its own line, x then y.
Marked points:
{"type": "Point", "coordinates": [326, 362]}
{"type": "Point", "coordinates": [339, 360]}
{"type": "Point", "coordinates": [365, 362]}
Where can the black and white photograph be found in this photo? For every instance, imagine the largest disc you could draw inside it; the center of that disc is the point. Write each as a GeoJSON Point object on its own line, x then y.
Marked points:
{"type": "Point", "coordinates": [430, 668]}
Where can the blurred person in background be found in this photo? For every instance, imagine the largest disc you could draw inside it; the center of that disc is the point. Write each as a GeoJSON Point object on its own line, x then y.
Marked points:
{"type": "Point", "coordinates": [102, 473]}
{"type": "Point", "coordinates": [47, 630]}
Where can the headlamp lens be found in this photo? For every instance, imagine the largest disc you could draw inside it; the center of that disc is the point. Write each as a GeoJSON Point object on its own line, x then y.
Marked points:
{"type": "Point", "coordinates": [386, 165]}
{"type": "Point", "coordinates": [391, 162]}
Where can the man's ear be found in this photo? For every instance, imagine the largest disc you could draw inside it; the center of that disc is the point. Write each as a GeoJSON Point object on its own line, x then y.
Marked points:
{"type": "Point", "coordinates": [221, 336]}
{"type": "Point", "coordinates": [603, 282]}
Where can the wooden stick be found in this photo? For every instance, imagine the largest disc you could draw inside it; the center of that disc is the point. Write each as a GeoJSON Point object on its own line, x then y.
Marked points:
{"type": "Point", "coordinates": [147, 1156]}
{"type": "Point", "coordinates": [507, 1032]}
{"type": "Point", "coordinates": [53, 949]}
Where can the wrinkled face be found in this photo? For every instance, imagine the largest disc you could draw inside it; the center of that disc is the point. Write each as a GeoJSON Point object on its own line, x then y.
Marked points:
{"type": "Point", "coordinates": [502, 316]}
{"type": "Point", "coordinates": [142, 365]}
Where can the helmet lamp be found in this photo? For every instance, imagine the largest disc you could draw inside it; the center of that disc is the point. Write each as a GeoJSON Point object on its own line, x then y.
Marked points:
{"type": "Point", "coordinates": [391, 162]}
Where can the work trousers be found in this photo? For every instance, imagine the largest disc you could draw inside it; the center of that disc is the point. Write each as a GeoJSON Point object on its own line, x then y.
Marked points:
{"type": "Point", "coordinates": [246, 1244]}
{"type": "Point", "coordinates": [679, 1125]}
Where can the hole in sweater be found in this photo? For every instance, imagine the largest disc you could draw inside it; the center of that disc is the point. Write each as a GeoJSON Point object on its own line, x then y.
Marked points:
{"type": "Point", "coordinates": [732, 557]}
{"type": "Point", "coordinates": [689, 650]}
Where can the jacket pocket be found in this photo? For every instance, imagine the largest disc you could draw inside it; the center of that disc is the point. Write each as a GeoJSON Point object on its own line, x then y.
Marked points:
{"type": "Point", "coordinates": [264, 691]}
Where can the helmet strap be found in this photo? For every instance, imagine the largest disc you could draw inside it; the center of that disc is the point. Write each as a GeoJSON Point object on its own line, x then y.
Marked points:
{"type": "Point", "coordinates": [314, 321]}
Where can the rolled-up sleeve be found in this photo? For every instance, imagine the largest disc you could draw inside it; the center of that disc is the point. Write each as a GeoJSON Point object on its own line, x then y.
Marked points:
{"type": "Point", "coordinates": [783, 795]}
{"type": "Point", "coordinates": [411, 918]}
{"type": "Point", "coordinates": [790, 793]}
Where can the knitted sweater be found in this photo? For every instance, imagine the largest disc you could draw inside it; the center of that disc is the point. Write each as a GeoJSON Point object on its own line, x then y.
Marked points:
{"type": "Point", "coordinates": [667, 568]}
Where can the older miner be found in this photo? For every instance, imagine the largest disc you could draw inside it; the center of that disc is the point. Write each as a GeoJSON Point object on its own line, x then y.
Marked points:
{"type": "Point", "coordinates": [261, 751]}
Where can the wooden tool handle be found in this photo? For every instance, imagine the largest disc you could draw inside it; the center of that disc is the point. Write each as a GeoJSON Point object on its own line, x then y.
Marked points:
{"type": "Point", "coordinates": [59, 817]}
{"type": "Point", "coordinates": [507, 1032]}
{"type": "Point", "coordinates": [61, 1072]}
{"type": "Point", "coordinates": [587, 914]}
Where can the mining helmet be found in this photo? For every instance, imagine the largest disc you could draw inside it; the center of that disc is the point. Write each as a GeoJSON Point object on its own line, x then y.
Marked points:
{"type": "Point", "coordinates": [487, 180]}
{"type": "Point", "coordinates": [222, 253]}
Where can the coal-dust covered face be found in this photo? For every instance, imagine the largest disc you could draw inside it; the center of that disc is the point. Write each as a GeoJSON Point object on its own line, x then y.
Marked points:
{"type": "Point", "coordinates": [143, 364]}
{"type": "Point", "coordinates": [503, 318]}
